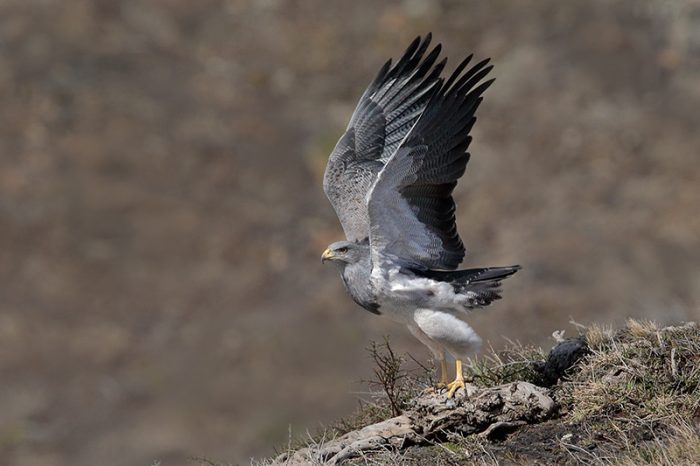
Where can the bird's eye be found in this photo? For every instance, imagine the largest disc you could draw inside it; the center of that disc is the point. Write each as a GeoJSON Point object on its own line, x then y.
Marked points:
{"type": "Point", "coordinates": [342, 250]}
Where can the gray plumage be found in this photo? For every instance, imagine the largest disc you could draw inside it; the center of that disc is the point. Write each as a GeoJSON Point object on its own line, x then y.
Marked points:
{"type": "Point", "coordinates": [390, 180]}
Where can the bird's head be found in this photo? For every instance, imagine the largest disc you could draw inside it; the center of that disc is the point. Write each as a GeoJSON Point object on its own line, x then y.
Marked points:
{"type": "Point", "coordinates": [342, 253]}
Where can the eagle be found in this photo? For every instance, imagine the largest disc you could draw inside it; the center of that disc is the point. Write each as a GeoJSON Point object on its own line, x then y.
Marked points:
{"type": "Point", "coordinates": [390, 180]}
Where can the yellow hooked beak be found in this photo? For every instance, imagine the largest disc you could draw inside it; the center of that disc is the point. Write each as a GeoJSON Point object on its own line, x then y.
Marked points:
{"type": "Point", "coordinates": [327, 255]}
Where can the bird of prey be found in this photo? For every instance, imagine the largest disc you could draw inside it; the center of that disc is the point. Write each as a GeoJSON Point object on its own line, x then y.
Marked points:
{"type": "Point", "coordinates": [390, 180]}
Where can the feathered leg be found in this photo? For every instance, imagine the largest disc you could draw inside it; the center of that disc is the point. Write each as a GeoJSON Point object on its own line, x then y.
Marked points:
{"type": "Point", "coordinates": [443, 373]}
{"type": "Point", "coordinates": [454, 335]}
{"type": "Point", "coordinates": [438, 353]}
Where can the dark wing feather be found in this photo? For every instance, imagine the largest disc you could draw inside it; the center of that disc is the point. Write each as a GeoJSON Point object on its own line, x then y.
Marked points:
{"type": "Point", "coordinates": [411, 209]}
{"type": "Point", "coordinates": [387, 111]}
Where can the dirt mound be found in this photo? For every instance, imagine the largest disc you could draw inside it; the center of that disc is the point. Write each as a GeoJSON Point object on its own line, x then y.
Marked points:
{"type": "Point", "coordinates": [625, 397]}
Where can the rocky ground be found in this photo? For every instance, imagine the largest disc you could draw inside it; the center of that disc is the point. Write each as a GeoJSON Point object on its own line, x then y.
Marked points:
{"type": "Point", "coordinates": [605, 398]}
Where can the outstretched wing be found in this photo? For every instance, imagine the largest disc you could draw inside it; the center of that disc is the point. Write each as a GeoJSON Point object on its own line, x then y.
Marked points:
{"type": "Point", "coordinates": [410, 205]}
{"type": "Point", "coordinates": [388, 109]}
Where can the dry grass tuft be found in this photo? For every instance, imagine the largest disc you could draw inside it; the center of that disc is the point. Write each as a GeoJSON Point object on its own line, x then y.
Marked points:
{"type": "Point", "coordinates": [640, 372]}
{"type": "Point", "coordinates": [597, 335]}
{"type": "Point", "coordinates": [515, 363]}
{"type": "Point", "coordinates": [681, 446]}
{"type": "Point", "coordinates": [639, 389]}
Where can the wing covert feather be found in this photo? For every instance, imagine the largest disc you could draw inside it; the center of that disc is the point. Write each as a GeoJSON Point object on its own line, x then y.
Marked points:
{"type": "Point", "coordinates": [387, 110]}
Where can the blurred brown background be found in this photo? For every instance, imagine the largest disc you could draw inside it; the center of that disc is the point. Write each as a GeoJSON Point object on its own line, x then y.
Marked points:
{"type": "Point", "coordinates": [162, 217]}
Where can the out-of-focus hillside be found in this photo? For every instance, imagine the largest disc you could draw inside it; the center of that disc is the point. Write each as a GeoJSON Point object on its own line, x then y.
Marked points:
{"type": "Point", "coordinates": [161, 214]}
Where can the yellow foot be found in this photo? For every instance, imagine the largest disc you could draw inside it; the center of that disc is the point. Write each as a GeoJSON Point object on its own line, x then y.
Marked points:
{"type": "Point", "coordinates": [454, 386]}
{"type": "Point", "coordinates": [438, 386]}
{"type": "Point", "coordinates": [459, 381]}
{"type": "Point", "coordinates": [442, 384]}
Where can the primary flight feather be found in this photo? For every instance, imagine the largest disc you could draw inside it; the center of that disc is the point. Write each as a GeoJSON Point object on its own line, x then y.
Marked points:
{"type": "Point", "coordinates": [390, 180]}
